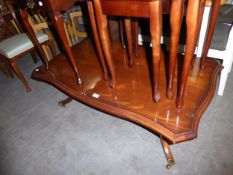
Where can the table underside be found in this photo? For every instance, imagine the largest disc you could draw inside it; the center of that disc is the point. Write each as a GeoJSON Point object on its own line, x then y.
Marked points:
{"type": "Point", "coordinates": [132, 97]}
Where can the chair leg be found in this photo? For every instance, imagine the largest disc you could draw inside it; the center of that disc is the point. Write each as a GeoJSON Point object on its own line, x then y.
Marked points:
{"type": "Point", "coordinates": [121, 32]}
{"type": "Point", "coordinates": [19, 74]}
{"type": "Point", "coordinates": [168, 153]}
{"type": "Point", "coordinates": [128, 30]}
{"type": "Point", "coordinates": [34, 57]}
{"type": "Point", "coordinates": [192, 24]}
{"type": "Point", "coordinates": [210, 31]}
{"type": "Point", "coordinates": [135, 37]}
{"type": "Point", "coordinates": [155, 31]}
{"type": "Point", "coordinates": [97, 40]}
{"type": "Point", "coordinates": [104, 38]}
{"type": "Point", "coordinates": [175, 23]}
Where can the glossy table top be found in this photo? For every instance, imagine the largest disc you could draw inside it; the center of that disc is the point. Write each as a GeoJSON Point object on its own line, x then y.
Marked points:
{"type": "Point", "coordinates": [132, 97]}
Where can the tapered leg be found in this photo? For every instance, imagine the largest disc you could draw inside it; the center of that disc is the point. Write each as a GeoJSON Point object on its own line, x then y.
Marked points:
{"type": "Point", "coordinates": [210, 31]}
{"type": "Point", "coordinates": [135, 36]}
{"type": "Point", "coordinates": [104, 40]}
{"type": "Point", "coordinates": [156, 30]}
{"type": "Point", "coordinates": [128, 31]}
{"type": "Point", "coordinates": [121, 31]}
{"type": "Point", "coordinates": [96, 38]}
{"type": "Point", "coordinates": [168, 153]}
{"type": "Point", "coordinates": [34, 57]}
{"type": "Point", "coordinates": [191, 22]}
{"type": "Point", "coordinates": [19, 74]}
{"type": "Point", "coordinates": [63, 103]}
{"type": "Point", "coordinates": [59, 24]}
{"type": "Point", "coordinates": [200, 16]}
{"type": "Point", "coordinates": [175, 23]}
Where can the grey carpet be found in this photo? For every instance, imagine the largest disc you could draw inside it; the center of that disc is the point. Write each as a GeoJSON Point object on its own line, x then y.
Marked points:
{"type": "Point", "coordinates": [39, 138]}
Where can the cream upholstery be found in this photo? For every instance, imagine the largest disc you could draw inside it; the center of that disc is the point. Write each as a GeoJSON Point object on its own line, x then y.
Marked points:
{"type": "Point", "coordinates": [19, 43]}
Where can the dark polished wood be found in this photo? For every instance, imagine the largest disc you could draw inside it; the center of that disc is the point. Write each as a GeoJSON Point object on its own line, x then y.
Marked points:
{"type": "Point", "coordinates": [176, 125]}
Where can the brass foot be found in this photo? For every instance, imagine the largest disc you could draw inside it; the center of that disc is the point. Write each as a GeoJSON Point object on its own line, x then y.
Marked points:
{"type": "Point", "coordinates": [168, 153]}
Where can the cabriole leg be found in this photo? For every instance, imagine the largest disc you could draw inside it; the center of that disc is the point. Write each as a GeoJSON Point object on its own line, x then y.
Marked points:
{"type": "Point", "coordinates": [168, 153]}
{"type": "Point", "coordinates": [63, 103]}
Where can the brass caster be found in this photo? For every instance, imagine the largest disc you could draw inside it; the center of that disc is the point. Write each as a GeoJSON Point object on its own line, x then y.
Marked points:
{"type": "Point", "coordinates": [170, 164]}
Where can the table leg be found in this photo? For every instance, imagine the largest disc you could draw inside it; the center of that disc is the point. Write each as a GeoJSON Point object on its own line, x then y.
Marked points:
{"type": "Point", "coordinates": [128, 32]}
{"type": "Point", "coordinates": [96, 38]}
{"type": "Point", "coordinates": [63, 103]}
{"type": "Point", "coordinates": [175, 23]}
{"type": "Point", "coordinates": [104, 40]}
{"type": "Point", "coordinates": [168, 153]}
{"type": "Point", "coordinates": [191, 22]}
{"type": "Point", "coordinates": [156, 30]}
{"type": "Point", "coordinates": [210, 31]}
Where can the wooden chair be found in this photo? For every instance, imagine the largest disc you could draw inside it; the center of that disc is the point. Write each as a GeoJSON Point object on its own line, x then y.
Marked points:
{"type": "Point", "coordinates": [56, 9]}
{"type": "Point", "coordinates": [16, 45]}
{"type": "Point", "coordinates": [39, 24]}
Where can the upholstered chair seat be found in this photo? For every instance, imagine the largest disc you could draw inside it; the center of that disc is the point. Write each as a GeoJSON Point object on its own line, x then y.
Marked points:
{"type": "Point", "coordinates": [19, 43]}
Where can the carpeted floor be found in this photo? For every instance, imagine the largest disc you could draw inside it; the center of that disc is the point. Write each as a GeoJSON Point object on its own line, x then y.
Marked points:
{"type": "Point", "coordinates": [37, 137]}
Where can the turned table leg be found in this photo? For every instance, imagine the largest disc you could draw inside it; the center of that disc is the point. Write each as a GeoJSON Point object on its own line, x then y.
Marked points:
{"type": "Point", "coordinates": [175, 23]}
{"type": "Point", "coordinates": [104, 40]}
{"type": "Point", "coordinates": [168, 153]}
{"type": "Point", "coordinates": [191, 22]}
{"type": "Point", "coordinates": [96, 38]}
{"type": "Point", "coordinates": [156, 30]}
{"type": "Point", "coordinates": [210, 31]}
{"type": "Point", "coordinates": [64, 102]}
{"type": "Point", "coordinates": [128, 32]}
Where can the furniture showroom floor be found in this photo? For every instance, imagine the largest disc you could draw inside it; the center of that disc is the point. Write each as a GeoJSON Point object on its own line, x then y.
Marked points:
{"type": "Point", "coordinates": [38, 137]}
